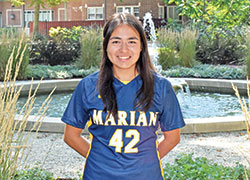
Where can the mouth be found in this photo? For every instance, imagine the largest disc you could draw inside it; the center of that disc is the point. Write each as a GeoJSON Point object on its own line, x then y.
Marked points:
{"type": "Point", "coordinates": [124, 58]}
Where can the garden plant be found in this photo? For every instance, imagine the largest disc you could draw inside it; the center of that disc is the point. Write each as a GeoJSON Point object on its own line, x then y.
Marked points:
{"type": "Point", "coordinates": [13, 42]}
{"type": "Point", "coordinates": [13, 139]}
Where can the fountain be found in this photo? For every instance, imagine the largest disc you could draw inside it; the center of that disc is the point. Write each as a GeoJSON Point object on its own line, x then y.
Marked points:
{"type": "Point", "coordinates": [149, 28]}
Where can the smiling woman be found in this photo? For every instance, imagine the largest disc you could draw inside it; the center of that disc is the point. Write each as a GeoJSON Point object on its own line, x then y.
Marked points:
{"type": "Point", "coordinates": [124, 104]}
{"type": "Point", "coordinates": [123, 51]}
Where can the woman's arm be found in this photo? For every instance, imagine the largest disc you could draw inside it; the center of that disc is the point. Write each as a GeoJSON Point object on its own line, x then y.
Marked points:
{"type": "Point", "coordinates": [169, 140]}
{"type": "Point", "coordinates": [72, 137]}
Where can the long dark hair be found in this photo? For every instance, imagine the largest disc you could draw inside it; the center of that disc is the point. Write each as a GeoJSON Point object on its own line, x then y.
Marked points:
{"type": "Point", "coordinates": [144, 67]}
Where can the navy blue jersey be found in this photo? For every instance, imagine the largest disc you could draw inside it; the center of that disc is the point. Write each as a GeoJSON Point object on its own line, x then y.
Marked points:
{"type": "Point", "coordinates": [125, 148]}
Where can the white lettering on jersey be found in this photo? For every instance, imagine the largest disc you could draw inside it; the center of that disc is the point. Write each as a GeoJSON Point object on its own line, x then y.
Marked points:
{"type": "Point", "coordinates": [110, 120]}
{"type": "Point", "coordinates": [153, 118]}
{"type": "Point", "coordinates": [97, 118]}
{"type": "Point", "coordinates": [122, 119]}
{"type": "Point", "coordinates": [132, 118]}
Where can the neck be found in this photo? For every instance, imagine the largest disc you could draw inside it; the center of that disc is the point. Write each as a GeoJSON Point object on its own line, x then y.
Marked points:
{"type": "Point", "coordinates": [124, 75]}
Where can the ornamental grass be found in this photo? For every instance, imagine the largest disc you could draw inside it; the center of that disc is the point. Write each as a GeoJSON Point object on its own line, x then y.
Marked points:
{"type": "Point", "coordinates": [13, 139]}
{"type": "Point", "coordinates": [244, 107]}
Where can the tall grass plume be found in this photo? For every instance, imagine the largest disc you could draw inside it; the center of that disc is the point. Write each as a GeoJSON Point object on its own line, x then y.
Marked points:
{"type": "Point", "coordinates": [8, 41]}
{"type": "Point", "coordinates": [13, 139]}
{"type": "Point", "coordinates": [187, 44]}
{"type": "Point", "coordinates": [244, 107]}
{"type": "Point", "coordinates": [91, 41]}
{"type": "Point", "coordinates": [168, 55]}
{"type": "Point", "coordinates": [247, 55]}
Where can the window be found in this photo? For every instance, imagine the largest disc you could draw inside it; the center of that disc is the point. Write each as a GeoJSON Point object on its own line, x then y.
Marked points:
{"type": "Point", "coordinates": [43, 16]}
{"type": "Point", "coordinates": [130, 9]}
{"type": "Point", "coordinates": [173, 13]}
{"type": "Point", "coordinates": [95, 13]}
{"type": "Point", "coordinates": [161, 12]}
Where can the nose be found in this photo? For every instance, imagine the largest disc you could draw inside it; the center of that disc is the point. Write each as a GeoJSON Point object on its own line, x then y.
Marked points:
{"type": "Point", "coordinates": [124, 46]}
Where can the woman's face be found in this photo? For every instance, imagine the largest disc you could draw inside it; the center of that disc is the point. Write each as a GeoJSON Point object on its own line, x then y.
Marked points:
{"type": "Point", "coordinates": [124, 48]}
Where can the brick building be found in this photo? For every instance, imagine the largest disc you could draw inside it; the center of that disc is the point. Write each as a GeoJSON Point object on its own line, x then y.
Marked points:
{"type": "Point", "coordinates": [81, 10]}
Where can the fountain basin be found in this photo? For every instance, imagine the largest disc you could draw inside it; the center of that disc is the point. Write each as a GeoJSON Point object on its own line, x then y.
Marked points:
{"type": "Point", "coordinates": [194, 125]}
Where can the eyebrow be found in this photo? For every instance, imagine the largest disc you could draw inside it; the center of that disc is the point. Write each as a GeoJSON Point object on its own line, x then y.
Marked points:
{"type": "Point", "coordinates": [131, 38]}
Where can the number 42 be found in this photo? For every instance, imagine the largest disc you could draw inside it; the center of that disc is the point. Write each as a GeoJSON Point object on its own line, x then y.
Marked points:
{"type": "Point", "coordinates": [117, 141]}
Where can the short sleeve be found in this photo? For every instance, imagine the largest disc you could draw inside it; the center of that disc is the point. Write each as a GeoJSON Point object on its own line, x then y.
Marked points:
{"type": "Point", "coordinates": [76, 113]}
{"type": "Point", "coordinates": [171, 117]}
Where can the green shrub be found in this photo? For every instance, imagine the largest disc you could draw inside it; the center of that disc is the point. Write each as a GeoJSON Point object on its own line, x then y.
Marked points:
{"type": "Point", "coordinates": [220, 46]}
{"type": "Point", "coordinates": [57, 72]}
{"type": "Point", "coordinates": [62, 47]}
{"type": "Point", "coordinates": [198, 71]}
{"type": "Point", "coordinates": [247, 54]}
{"type": "Point", "coordinates": [90, 49]}
{"type": "Point", "coordinates": [33, 174]}
{"type": "Point", "coordinates": [207, 71]}
{"type": "Point", "coordinates": [186, 167]}
{"type": "Point", "coordinates": [10, 31]}
{"type": "Point", "coordinates": [167, 57]}
{"type": "Point", "coordinates": [73, 34]}
{"type": "Point", "coordinates": [16, 42]}
{"type": "Point", "coordinates": [187, 45]}
{"type": "Point", "coordinates": [167, 53]}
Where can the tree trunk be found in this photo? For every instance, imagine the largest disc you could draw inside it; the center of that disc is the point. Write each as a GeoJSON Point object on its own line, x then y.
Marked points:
{"type": "Point", "coordinates": [36, 19]}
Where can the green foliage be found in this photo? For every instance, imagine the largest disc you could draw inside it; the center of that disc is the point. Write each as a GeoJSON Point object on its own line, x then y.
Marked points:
{"type": "Point", "coordinates": [227, 47]}
{"type": "Point", "coordinates": [13, 139]}
{"type": "Point", "coordinates": [174, 25]}
{"type": "Point", "coordinates": [247, 53]}
{"type": "Point", "coordinates": [176, 48]}
{"type": "Point", "coordinates": [13, 41]}
{"type": "Point", "coordinates": [227, 13]}
{"type": "Point", "coordinates": [90, 49]}
{"type": "Point", "coordinates": [198, 71]}
{"type": "Point", "coordinates": [33, 174]}
{"type": "Point", "coordinates": [168, 55]}
{"type": "Point", "coordinates": [62, 48]}
{"type": "Point", "coordinates": [57, 72]}
{"type": "Point", "coordinates": [187, 45]}
{"type": "Point", "coordinates": [10, 31]}
{"type": "Point", "coordinates": [186, 167]}
{"type": "Point", "coordinates": [62, 34]}
{"type": "Point", "coordinates": [207, 71]}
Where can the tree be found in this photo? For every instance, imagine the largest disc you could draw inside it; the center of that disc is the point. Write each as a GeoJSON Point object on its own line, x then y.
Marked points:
{"type": "Point", "coordinates": [217, 13]}
{"type": "Point", "coordinates": [37, 4]}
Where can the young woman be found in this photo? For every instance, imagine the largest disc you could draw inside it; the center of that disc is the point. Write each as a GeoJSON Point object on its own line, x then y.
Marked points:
{"type": "Point", "coordinates": [124, 104]}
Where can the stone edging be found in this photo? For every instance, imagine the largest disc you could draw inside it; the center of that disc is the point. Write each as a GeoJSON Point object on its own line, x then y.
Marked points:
{"type": "Point", "coordinates": [200, 125]}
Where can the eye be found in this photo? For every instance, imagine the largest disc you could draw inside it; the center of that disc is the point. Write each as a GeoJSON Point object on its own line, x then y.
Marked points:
{"type": "Point", "coordinates": [115, 42]}
{"type": "Point", "coordinates": [132, 42]}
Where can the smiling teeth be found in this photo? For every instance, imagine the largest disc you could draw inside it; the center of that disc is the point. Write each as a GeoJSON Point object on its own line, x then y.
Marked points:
{"type": "Point", "coordinates": [124, 57]}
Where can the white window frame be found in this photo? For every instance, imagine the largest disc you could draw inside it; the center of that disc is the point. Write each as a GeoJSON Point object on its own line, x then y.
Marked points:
{"type": "Point", "coordinates": [174, 13]}
{"type": "Point", "coordinates": [131, 9]}
{"type": "Point", "coordinates": [44, 15]}
{"type": "Point", "coordinates": [161, 12]}
{"type": "Point", "coordinates": [95, 13]}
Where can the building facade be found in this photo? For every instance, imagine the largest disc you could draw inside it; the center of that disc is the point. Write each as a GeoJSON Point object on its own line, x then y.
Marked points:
{"type": "Point", "coordinates": [84, 10]}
